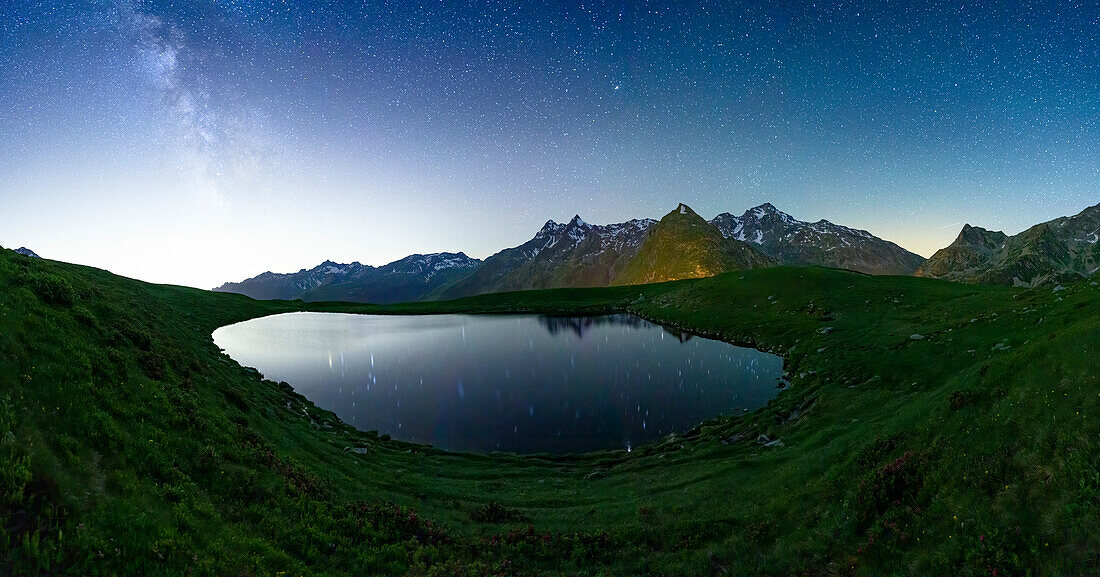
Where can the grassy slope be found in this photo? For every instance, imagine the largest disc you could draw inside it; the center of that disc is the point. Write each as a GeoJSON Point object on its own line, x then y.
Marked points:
{"type": "Point", "coordinates": [130, 445]}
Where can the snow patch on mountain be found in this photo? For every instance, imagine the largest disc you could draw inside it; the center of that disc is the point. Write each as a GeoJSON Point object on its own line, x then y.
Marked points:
{"type": "Point", "coordinates": [799, 242]}
{"type": "Point", "coordinates": [765, 223]}
{"type": "Point", "coordinates": [575, 231]}
{"type": "Point", "coordinates": [566, 237]}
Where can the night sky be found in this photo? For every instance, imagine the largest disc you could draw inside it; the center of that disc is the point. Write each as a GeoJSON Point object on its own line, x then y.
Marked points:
{"type": "Point", "coordinates": [202, 141]}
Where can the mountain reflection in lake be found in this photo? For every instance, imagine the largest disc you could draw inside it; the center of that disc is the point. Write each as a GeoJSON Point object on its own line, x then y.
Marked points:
{"type": "Point", "coordinates": [580, 325]}
{"type": "Point", "coordinates": [525, 384]}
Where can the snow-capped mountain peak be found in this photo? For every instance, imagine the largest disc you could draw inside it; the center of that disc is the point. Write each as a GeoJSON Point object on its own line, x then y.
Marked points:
{"type": "Point", "coordinates": [799, 242]}
{"type": "Point", "coordinates": [409, 278]}
{"type": "Point", "coordinates": [551, 227]}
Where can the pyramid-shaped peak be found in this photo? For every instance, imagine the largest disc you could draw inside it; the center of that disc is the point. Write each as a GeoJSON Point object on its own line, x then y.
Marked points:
{"type": "Point", "coordinates": [683, 214]}
{"type": "Point", "coordinates": [578, 221]}
{"type": "Point", "coordinates": [683, 209]}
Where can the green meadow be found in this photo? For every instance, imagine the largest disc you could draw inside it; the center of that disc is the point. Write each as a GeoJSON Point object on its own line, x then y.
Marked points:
{"type": "Point", "coordinates": [929, 428]}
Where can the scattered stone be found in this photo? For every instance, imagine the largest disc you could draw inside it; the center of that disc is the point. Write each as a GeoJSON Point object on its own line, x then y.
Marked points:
{"type": "Point", "coordinates": [357, 450]}
{"type": "Point", "coordinates": [768, 442]}
{"type": "Point", "coordinates": [916, 337]}
{"type": "Point", "coordinates": [1059, 288]}
{"type": "Point", "coordinates": [1001, 347]}
{"type": "Point", "coordinates": [825, 330]}
{"type": "Point", "coordinates": [822, 349]}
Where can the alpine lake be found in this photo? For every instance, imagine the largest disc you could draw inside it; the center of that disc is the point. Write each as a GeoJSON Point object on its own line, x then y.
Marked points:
{"type": "Point", "coordinates": [517, 383]}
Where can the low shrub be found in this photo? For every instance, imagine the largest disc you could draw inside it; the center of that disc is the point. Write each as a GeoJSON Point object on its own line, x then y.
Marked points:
{"type": "Point", "coordinates": [494, 513]}
{"type": "Point", "coordinates": [50, 289]}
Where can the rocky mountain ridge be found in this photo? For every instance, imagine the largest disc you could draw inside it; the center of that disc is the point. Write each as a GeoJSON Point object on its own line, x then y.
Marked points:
{"type": "Point", "coordinates": [1062, 250]}
{"type": "Point", "coordinates": [410, 278]}
{"type": "Point", "coordinates": [792, 241]}
{"type": "Point", "coordinates": [575, 254]}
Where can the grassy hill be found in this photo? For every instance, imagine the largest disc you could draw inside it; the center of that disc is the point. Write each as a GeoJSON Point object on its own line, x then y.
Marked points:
{"type": "Point", "coordinates": [930, 428]}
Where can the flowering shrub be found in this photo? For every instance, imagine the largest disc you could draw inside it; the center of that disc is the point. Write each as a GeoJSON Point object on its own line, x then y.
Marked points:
{"type": "Point", "coordinates": [894, 484]}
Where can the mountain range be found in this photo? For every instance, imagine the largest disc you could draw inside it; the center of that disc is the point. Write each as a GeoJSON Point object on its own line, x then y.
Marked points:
{"type": "Point", "coordinates": [408, 279]}
{"type": "Point", "coordinates": [575, 254]}
{"type": "Point", "coordinates": [1058, 251]}
{"type": "Point", "coordinates": [578, 254]}
{"type": "Point", "coordinates": [792, 241]}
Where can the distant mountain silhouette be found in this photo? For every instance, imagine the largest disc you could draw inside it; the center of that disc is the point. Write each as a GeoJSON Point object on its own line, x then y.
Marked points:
{"type": "Point", "coordinates": [1059, 251]}
{"type": "Point", "coordinates": [408, 279]}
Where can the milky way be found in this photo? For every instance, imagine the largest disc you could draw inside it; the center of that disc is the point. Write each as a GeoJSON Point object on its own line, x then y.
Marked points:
{"type": "Point", "coordinates": [202, 141]}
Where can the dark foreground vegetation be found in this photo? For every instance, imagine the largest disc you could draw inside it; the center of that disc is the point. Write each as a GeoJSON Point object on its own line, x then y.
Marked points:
{"type": "Point", "coordinates": [930, 428]}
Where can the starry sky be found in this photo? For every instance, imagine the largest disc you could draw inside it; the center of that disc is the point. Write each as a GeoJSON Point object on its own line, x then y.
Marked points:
{"type": "Point", "coordinates": [201, 141]}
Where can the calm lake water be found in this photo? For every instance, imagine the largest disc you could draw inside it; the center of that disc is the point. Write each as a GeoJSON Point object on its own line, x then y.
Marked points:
{"type": "Point", "coordinates": [524, 384]}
